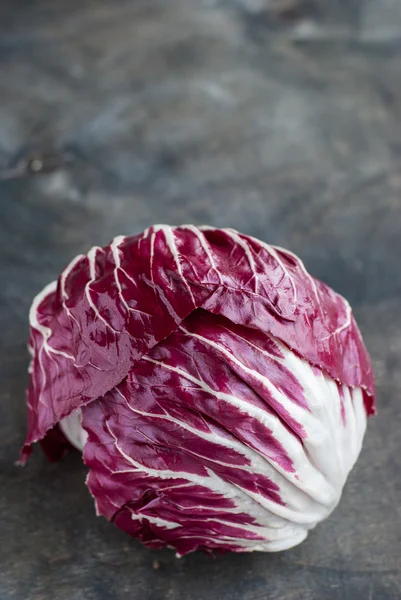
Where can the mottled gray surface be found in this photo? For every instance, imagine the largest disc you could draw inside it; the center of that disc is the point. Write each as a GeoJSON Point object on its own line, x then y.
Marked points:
{"type": "Point", "coordinates": [279, 118]}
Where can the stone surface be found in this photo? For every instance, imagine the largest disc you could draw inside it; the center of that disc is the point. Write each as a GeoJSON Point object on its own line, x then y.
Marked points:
{"type": "Point", "coordinates": [279, 118]}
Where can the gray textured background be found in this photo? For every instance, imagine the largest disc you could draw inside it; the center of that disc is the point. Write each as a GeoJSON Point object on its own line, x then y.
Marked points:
{"type": "Point", "coordinates": [279, 118]}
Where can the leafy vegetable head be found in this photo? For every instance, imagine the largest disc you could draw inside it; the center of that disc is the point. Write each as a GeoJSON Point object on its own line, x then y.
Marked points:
{"type": "Point", "coordinates": [219, 393]}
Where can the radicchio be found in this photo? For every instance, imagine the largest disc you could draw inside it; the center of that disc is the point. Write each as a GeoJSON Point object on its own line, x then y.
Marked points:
{"type": "Point", "coordinates": [218, 392]}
